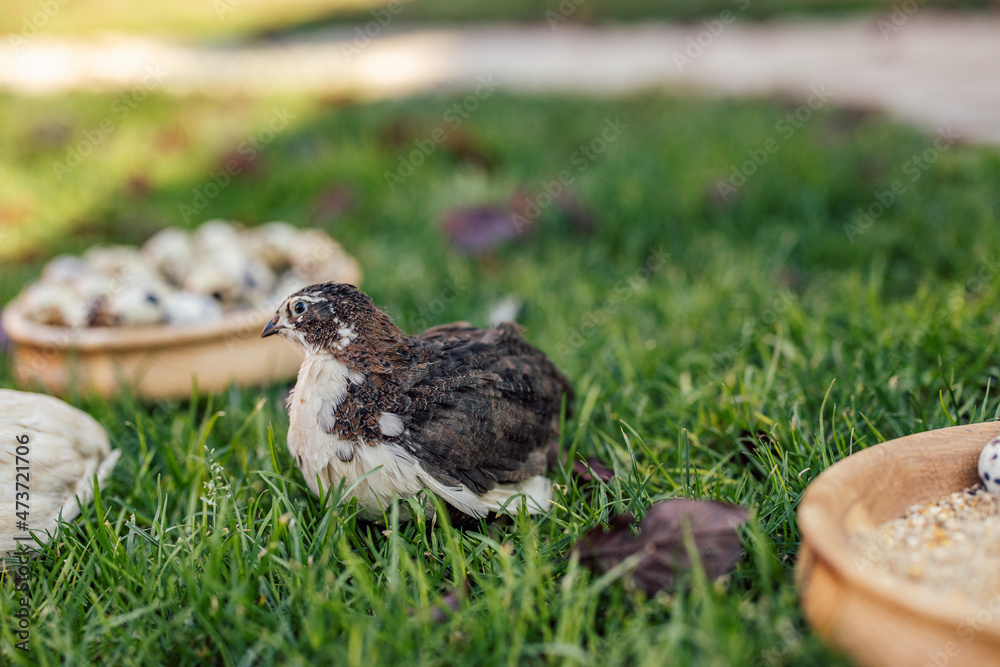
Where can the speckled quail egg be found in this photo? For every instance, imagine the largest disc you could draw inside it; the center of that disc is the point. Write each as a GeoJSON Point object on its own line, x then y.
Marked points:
{"type": "Point", "coordinates": [113, 259]}
{"type": "Point", "coordinates": [64, 268]}
{"type": "Point", "coordinates": [171, 251]}
{"type": "Point", "coordinates": [230, 276]}
{"type": "Point", "coordinates": [989, 465]}
{"type": "Point", "coordinates": [273, 243]}
{"type": "Point", "coordinates": [315, 253]}
{"type": "Point", "coordinates": [132, 305]}
{"type": "Point", "coordinates": [218, 234]}
{"type": "Point", "coordinates": [288, 284]}
{"type": "Point", "coordinates": [187, 308]}
{"type": "Point", "coordinates": [55, 304]}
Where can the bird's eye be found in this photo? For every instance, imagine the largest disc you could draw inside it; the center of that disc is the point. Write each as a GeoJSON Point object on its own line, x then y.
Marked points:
{"type": "Point", "coordinates": [299, 307]}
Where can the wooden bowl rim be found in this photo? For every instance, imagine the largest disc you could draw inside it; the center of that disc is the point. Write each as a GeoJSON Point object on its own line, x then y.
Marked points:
{"type": "Point", "coordinates": [26, 332]}
{"type": "Point", "coordinates": [238, 323]}
{"type": "Point", "coordinates": [821, 530]}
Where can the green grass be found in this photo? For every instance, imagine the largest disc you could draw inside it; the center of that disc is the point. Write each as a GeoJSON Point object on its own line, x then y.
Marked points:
{"type": "Point", "coordinates": [759, 315]}
{"type": "Point", "coordinates": [233, 18]}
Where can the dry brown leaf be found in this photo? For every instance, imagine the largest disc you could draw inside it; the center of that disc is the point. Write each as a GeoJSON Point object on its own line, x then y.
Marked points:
{"type": "Point", "coordinates": [713, 527]}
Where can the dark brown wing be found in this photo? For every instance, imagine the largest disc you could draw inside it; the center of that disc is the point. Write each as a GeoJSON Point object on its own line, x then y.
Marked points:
{"type": "Point", "coordinates": [483, 406]}
{"type": "Point", "coordinates": [455, 331]}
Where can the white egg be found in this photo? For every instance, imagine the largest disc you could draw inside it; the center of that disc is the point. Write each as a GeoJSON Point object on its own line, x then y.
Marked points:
{"type": "Point", "coordinates": [186, 308]}
{"type": "Point", "coordinates": [54, 304]}
{"type": "Point", "coordinates": [132, 305]}
{"type": "Point", "coordinates": [316, 254]}
{"type": "Point", "coordinates": [273, 243]}
{"type": "Point", "coordinates": [114, 259]}
{"type": "Point", "coordinates": [989, 465]}
{"type": "Point", "coordinates": [289, 284]}
{"type": "Point", "coordinates": [172, 252]}
{"type": "Point", "coordinates": [64, 268]}
{"type": "Point", "coordinates": [217, 235]}
{"type": "Point", "coordinates": [230, 276]}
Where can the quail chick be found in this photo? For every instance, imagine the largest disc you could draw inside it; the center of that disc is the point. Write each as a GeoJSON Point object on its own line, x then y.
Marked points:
{"type": "Point", "coordinates": [465, 412]}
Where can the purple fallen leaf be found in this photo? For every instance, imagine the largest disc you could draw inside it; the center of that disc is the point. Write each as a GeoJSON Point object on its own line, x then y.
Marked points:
{"type": "Point", "coordinates": [332, 203]}
{"type": "Point", "coordinates": [137, 186]}
{"type": "Point", "coordinates": [661, 539]}
{"type": "Point", "coordinates": [592, 467]}
{"type": "Point", "coordinates": [555, 458]}
{"type": "Point", "coordinates": [524, 211]}
{"type": "Point", "coordinates": [722, 195]}
{"type": "Point", "coordinates": [4, 339]}
{"type": "Point", "coordinates": [173, 138]}
{"type": "Point", "coordinates": [398, 134]}
{"type": "Point", "coordinates": [451, 601]}
{"type": "Point", "coordinates": [575, 211]}
{"type": "Point", "coordinates": [480, 228]}
{"type": "Point", "coordinates": [465, 147]}
{"type": "Point", "coordinates": [50, 132]}
{"type": "Point", "coordinates": [240, 163]}
{"type": "Point", "coordinates": [584, 470]}
{"type": "Point", "coordinates": [751, 447]}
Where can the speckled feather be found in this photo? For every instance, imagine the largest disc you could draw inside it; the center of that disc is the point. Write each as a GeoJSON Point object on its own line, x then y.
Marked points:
{"type": "Point", "coordinates": [477, 408]}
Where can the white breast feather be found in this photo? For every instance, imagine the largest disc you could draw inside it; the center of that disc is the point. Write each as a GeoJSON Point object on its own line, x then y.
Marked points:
{"type": "Point", "coordinates": [321, 386]}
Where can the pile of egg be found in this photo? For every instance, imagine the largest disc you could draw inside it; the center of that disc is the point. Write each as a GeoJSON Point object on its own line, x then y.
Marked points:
{"type": "Point", "coordinates": [180, 277]}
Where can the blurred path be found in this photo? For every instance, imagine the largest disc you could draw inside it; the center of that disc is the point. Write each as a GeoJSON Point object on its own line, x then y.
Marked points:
{"type": "Point", "coordinates": [930, 69]}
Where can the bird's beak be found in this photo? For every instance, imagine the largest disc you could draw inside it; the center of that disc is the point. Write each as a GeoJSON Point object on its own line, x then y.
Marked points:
{"type": "Point", "coordinates": [271, 327]}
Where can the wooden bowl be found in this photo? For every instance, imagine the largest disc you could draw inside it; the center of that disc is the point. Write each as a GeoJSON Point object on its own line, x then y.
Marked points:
{"type": "Point", "coordinates": [875, 619]}
{"type": "Point", "coordinates": [160, 361]}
